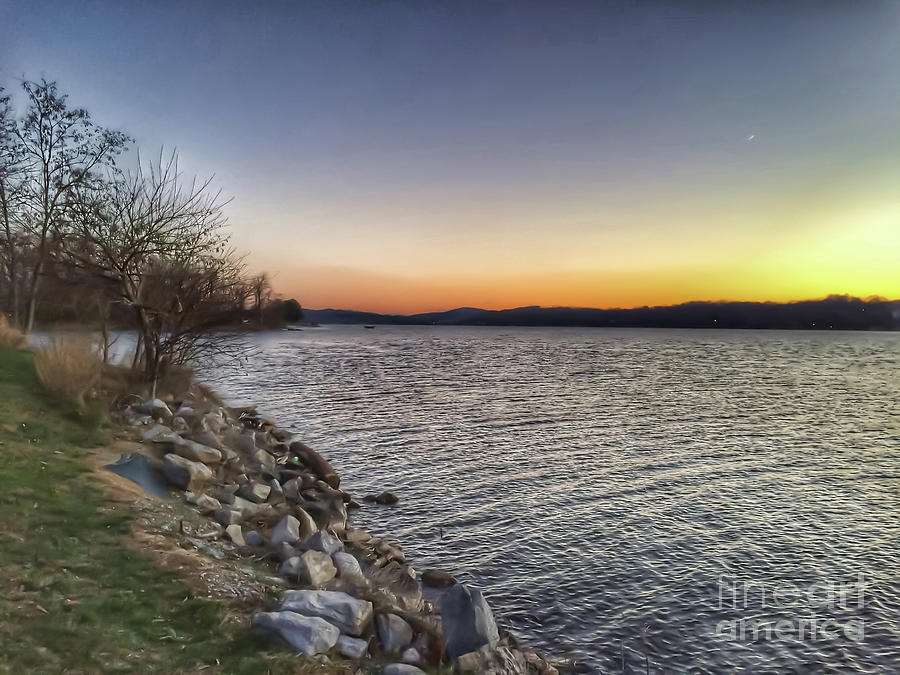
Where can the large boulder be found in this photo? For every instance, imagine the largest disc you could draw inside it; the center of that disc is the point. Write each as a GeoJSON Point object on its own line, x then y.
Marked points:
{"type": "Point", "coordinates": [184, 473]}
{"type": "Point", "coordinates": [307, 634]}
{"type": "Point", "coordinates": [324, 542]}
{"type": "Point", "coordinates": [347, 565]}
{"type": "Point", "coordinates": [393, 631]}
{"type": "Point", "coordinates": [254, 492]}
{"type": "Point", "coordinates": [312, 567]}
{"type": "Point", "coordinates": [286, 531]}
{"type": "Point", "coordinates": [197, 452]}
{"type": "Point", "coordinates": [467, 621]}
{"type": "Point", "coordinates": [350, 614]}
{"type": "Point", "coordinates": [155, 432]}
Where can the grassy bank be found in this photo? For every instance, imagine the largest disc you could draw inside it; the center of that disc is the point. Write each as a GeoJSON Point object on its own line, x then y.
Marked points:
{"type": "Point", "coordinates": [73, 596]}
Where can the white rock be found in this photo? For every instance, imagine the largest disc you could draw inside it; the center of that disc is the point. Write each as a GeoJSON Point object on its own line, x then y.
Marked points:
{"type": "Point", "coordinates": [410, 655]}
{"type": "Point", "coordinates": [308, 525]}
{"type": "Point", "coordinates": [184, 473]}
{"type": "Point", "coordinates": [236, 535]}
{"type": "Point", "coordinates": [350, 614]}
{"type": "Point", "coordinates": [307, 634]}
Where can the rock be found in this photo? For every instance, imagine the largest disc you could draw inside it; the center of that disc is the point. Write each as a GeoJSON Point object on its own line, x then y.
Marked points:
{"type": "Point", "coordinates": [228, 517]}
{"type": "Point", "coordinates": [401, 669]}
{"type": "Point", "coordinates": [350, 614]}
{"type": "Point", "coordinates": [208, 439]}
{"type": "Point", "coordinates": [254, 492]}
{"type": "Point", "coordinates": [227, 492]}
{"type": "Point", "coordinates": [323, 542]}
{"type": "Point", "coordinates": [186, 474]}
{"type": "Point", "coordinates": [206, 504]}
{"type": "Point", "coordinates": [395, 634]}
{"type": "Point", "coordinates": [328, 515]}
{"type": "Point", "coordinates": [154, 432]}
{"type": "Point", "coordinates": [308, 526]}
{"type": "Point", "coordinates": [247, 442]}
{"type": "Point", "coordinates": [276, 493]}
{"type": "Point", "coordinates": [236, 535]}
{"type": "Point", "coordinates": [253, 538]}
{"type": "Point", "coordinates": [307, 634]}
{"type": "Point", "coordinates": [213, 422]}
{"type": "Point", "coordinates": [267, 465]}
{"type": "Point", "coordinates": [383, 498]}
{"type": "Point", "coordinates": [351, 647]}
{"type": "Point", "coordinates": [317, 463]}
{"type": "Point", "coordinates": [292, 490]}
{"type": "Point", "coordinates": [347, 566]}
{"type": "Point", "coordinates": [438, 578]}
{"type": "Point", "coordinates": [313, 568]}
{"type": "Point", "coordinates": [186, 412]}
{"type": "Point", "coordinates": [156, 408]}
{"type": "Point", "coordinates": [180, 425]}
{"type": "Point", "coordinates": [196, 452]}
{"type": "Point", "coordinates": [281, 435]}
{"type": "Point", "coordinates": [467, 621]}
{"type": "Point", "coordinates": [287, 531]}
{"type": "Point", "coordinates": [410, 655]}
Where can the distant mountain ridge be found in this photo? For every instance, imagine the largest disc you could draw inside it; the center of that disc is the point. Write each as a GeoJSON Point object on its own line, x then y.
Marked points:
{"type": "Point", "coordinates": [836, 312]}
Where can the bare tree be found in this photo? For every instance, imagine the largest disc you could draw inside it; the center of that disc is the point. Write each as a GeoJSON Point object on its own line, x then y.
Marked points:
{"type": "Point", "coordinates": [61, 149]}
{"type": "Point", "coordinates": [11, 172]}
{"type": "Point", "coordinates": [160, 242]}
{"type": "Point", "coordinates": [261, 285]}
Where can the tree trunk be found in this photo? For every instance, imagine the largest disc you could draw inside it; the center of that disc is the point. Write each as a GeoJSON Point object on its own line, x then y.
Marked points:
{"type": "Point", "coordinates": [33, 293]}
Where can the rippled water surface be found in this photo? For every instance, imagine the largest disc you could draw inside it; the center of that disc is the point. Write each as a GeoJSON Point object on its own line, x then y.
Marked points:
{"type": "Point", "coordinates": [601, 485]}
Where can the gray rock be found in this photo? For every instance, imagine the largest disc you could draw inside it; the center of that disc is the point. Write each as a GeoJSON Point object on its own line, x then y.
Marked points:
{"type": "Point", "coordinates": [268, 467]}
{"type": "Point", "coordinates": [324, 542]}
{"type": "Point", "coordinates": [156, 408]}
{"type": "Point", "coordinates": [186, 412]}
{"type": "Point", "coordinates": [286, 531]}
{"type": "Point", "coordinates": [276, 493]}
{"type": "Point", "coordinates": [236, 535]}
{"type": "Point", "coordinates": [401, 669]}
{"type": "Point", "coordinates": [208, 439]}
{"type": "Point", "coordinates": [155, 431]}
{"type": "Point", "coordinates": [180, 425]}
{"type": "Point", "coordinates": [395, 634]}
{"type": "Point", "coordinates": [350, 614]}
{"type": "Point", "coordinates": [347, 565]}
{"type": "Point", "coordinates": [186, 474]}
{"type": "Point", "coordinates": [307, 634]}
{"type": "Point", "coordinates": [292, 490]}
{"type": "Point", "coordinates": [467, 621]}
{"type": "Point", "coordinates": [247, 442]}
{"type": "Point", "coordinates": [196, 452]}
{"type": "Point", "coordinates": [312, 567]}
{"type": "Point", "coordinates": [410, 655]}
{"type": "Point", "coordinates": [254, 492]}
{"type": "Point", "coordinates": [206, 504]}
{"type": "Point", "coordinates": [383, 498]}
{"type": "Point", "coordinates": [227, 492]}
{"type": "Point", "coordinates": [351, 647]}
{"type": "Point", "coordinates": [228, 517]}
{"type": "Point", "coordinates": [253, 538]}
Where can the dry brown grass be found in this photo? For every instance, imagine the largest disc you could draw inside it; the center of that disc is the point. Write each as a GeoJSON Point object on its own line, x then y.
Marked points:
{"type": "Point", "coordinates": [69, 368]}
{"type": "Point", "coordinates": [10, 336]}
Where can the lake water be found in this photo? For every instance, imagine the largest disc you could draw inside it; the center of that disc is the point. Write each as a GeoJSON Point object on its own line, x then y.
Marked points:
{"type": "Point", "coordinates": [644, 496]}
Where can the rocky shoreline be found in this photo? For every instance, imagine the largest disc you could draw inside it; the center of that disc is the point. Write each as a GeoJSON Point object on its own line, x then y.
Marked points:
{"type": "Point", "coordinates": [352, 596]}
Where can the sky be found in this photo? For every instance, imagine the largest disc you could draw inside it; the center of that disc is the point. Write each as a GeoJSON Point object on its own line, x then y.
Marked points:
{"type": "Point", "coordinates": [420, 156]}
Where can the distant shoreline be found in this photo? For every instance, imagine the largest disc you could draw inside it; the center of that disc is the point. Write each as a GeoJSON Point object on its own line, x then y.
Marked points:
{"type": "Point", "coordinates": [838, 312]}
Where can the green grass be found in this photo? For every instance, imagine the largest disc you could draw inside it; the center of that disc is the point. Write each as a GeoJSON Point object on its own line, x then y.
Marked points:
{"type": "Point", "coordinates": [73, 597]}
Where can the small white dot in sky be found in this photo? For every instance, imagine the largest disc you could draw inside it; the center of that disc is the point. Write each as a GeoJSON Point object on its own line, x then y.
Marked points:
{"type": "Point", "coordinates": [751, 137]}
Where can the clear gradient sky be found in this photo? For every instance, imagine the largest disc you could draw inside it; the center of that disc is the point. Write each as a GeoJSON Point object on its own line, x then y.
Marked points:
{"type": "Point", "coordinates": [411, 156]}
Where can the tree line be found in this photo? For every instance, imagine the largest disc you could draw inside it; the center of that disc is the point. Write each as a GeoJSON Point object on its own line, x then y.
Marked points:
{"type": "Point", "coordinates": [143, 248]}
